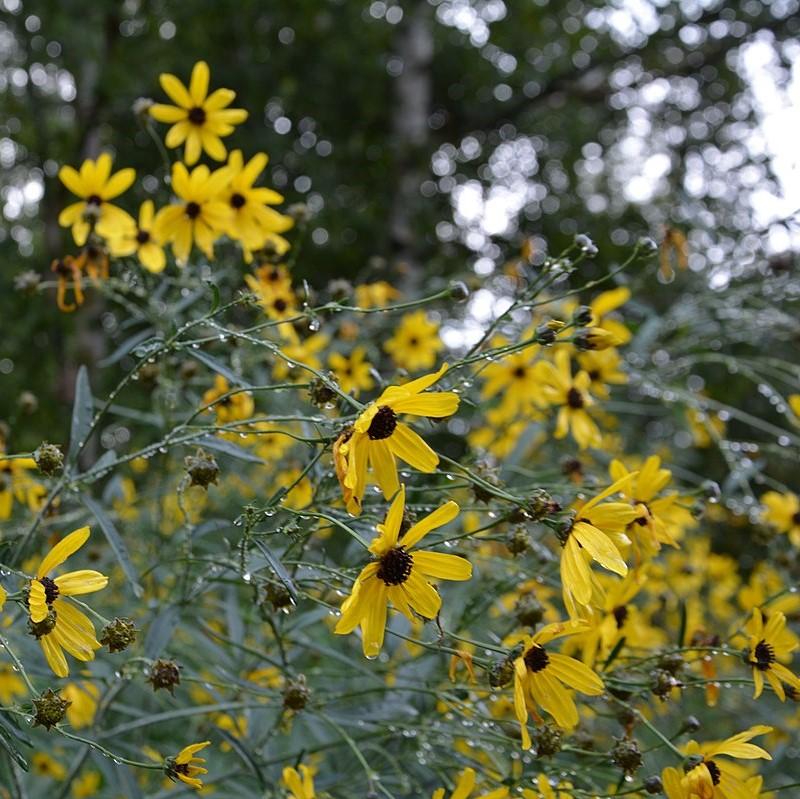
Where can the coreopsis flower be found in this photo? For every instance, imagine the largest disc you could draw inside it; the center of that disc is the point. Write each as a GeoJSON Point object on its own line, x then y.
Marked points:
{"type": "Point", "coordinates": [712, 778]}
{"type": "Point", "coordinates": [93, 260]}
{"type": "Point", "coordinates": [253, 223]}
{"type": "Point", "coordinates": [400, 576]}
{"type": "Point", "coordinates": [142, 241]}
{"type": "Point", "coordinates": [185, 766]}
{"type": "Point", "coordinates": [595, 339]}
{"type": "Point", "coordinates": [546, 791]}
{"type": "Point", "coordinates": [603, 368]}
{"type": "Point", "coordinates": [232, 408]}
{"type": "Point", "coordinates": [83, 698]}
{"type": "Point", "coordinates": [45, 766]}
{"type": "Point", "coordinates": [603, 305]}
{"type": "Point", "coordinates": [57, 624]}
{"type": "Point", "coordinates": [650, 527]}
{"type": "Point", "coordinates": [378, 437]}
{"type": "Point", "coordinates": [705, 428]}
{"type": "Point", "coordinates": [301, 784]}
{"type": "Point", "coordinates": [375, 295]}
{"type": "Point", "coordinates": [95, 185]}
{"type": "Point", "coordinates": [273, 289]}
{"type": "Point", "coordinates": [200, 217]}
{"type": "Point", "coordinates": [572, 394]}
{"type": "Point", "coordinates": [782, 512]}
{"type": "Point", "coordinates": [769, 643]}
{"type": "Point", "coordinates": [305, 351]}
{"type": "Point", "coordinates": [593, 535]}
{"type": "Point", "coordinates": [198, 119]}
{"type": "Point", "coordinates": [352, 371]}
{"type": "Point", "coordinates": [16, 484]}
{"type": "Point", "coordinates": [464, 786]}
{"type": "Point", "coordinates": [11, 684]}
{"type": "Point", "coordinates": [68, 275]}
{"type": "Point", "coordinates": [541, 678]}
{"type": "Point", "coordinates": [517, 377]}
{"type": "Point", "coordinates": [415, 344]}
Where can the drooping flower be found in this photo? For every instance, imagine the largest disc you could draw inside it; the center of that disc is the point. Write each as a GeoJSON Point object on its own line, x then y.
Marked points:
{"type": "Point", "coordinates": [57, 624]}
{"type": "Point", "coordinates": [464, 786]}
{"type": "Point", "coordinates": [572, 394]}
{"type": "Point", "coordinates": [141, 241]}
{"type": "Point", "coordinates": [253, 223]}
{"type": "Point", "coordinates": [68, 275]}
{"type": "Point", "coordinates": [185, 766]}
{"type": "Point", "coordinates": [352, 371]}
{"type": "Point", "coordinates": [198, 118]}
{"type": "Point", "coordinates": [400, 576]}
{"type": "Point", "coordinates": [606, 303]}
{"type": "Point", "coordinates": [378, 437]}
{"type": "Point", "coordinates": [300, 784]}
{"type": "Point", "coordinates": [415, 344]}
{"type": "Point", "coordinates": [95, 185]}
{"type": "Point", "coordinates": [200, 217]}
{"type": "Point", "coordinates": [782, 512]}
{"type": "Point", "coordinates": [769, 643]}
{"type": "Point", "coordinates": [712, 778]}
{"type": "Point", "coordinates": [540, 677]}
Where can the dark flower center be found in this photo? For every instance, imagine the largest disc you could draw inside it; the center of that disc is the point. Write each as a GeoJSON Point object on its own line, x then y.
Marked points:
{"type": "Point", "coordinates": [520, 372]}
{"type": "Point", "coordinates": [536, 658]}
{"type": "Point", "coordinates": [594, 375]}
{"type": "Point", "coordinates": [197, 116]}
{"type": "Point", "coordinates": [93, 199]}
{"type": "Point", "coordinates": [382, 424]}
{"type": "Point", "coordinates": [764, 654]}
{"type": "Point", "coordinates": [575, 399]}
{"type": "Point", "coordinates": [713, 770]}
{"type": "Point", "coordinates": [192, 210]}
{"type": "Point", "coordinates": [237, 200]}
{"type": "Point", "coordinates": [796, 518]}
{"type": "Point", "coordinates": [50, 590]}
{"type": "Point", "coordinates": [413, 341]}
{"type": "Point", "coordinates": [395, 566]}
{"type": "Point", "coordinates": [142, 237]}
{"type": "Point", "coordinates": [279, 305]}
{"type": "Point", "coordinates": [620, 614]}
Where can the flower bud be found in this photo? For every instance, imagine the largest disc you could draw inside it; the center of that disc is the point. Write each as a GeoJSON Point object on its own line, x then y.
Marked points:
{"type": "Point", "coordinates": [459, 291]}
{"type": "Point", "coordinates": [646, 244]}
{"type": "Point", "coordinates": [321, 393]}
{"type": "Point", "coordinates": [582, 316]}
{"type": "Point", "coordinates": [528, 610]}
{"type": "Point", "coordinates": [518, 540]}
{"type": "Point", "coordinates": [202, 468]}
{"type": "Point", "coordinates": [164, 674]}
{"type": "Point", "coordinates": [49, 709]}
{"type": "Point", "coordinates": [547, 740]}
{"type": "Point", "coordinates": [586, 245]}
{"type": "Point", "coordinates": [545, 335]}
{"type": "Point", "coordinates": [626, 754]}
{"type": "Point", "coordinates": [501, 672]}
{"type": "Point", "coordinates": [296, 693]}
{"type": "Point", "coordinates": [653, 785]}
{"type": "Point", "coordinates": [595, 338]}
{"type": "Point", "coordinates": [49, 459]}
{"type": "Point", "coordinates": [118, 635]}
{"type": "Point", "coordinates": [141, 106]}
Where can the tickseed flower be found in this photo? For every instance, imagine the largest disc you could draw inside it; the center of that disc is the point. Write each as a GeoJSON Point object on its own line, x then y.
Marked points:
{"type": "Point", "coordinates": [782, 512]}
{"type": "Point", "coordinates": [591, 536]}
{"type": "Point", "coordinates": [273, 289]}
{"type": "Point", "coordinates": [379, 437]}
{"type": "Point", "coordinates": [546, 791]}
{"type": "Point", "coordinates": [141, 241]}
{"type": "Point", "coordinates": [375, 295]}
{"type": "Point", "coordinates": [200, 217]}
{"type": "Point", "coordinates": [56, 623]}
{"type": "Point", "coordinates": [769, 643]}
{"type": "Point", "coordinates": [95, 185]}
{"type": "Point", "coordinates": [231, 408]}
{"type": "Point", "coordinates": [400, 576]}
{"type": "Point", "coordinates": [68, 273]}
{"type": "Point", "coordinates": [712, 778]}
{"type": "Point", "coordinates": [300, 784]}
{"type": "Point", "coordinates": [198, 118]}
{"type": "Point", "coordinates": [93, 259]}
{"type": "Point", "coordinates": [464, 787]}
{"type": "Point", "coordinates": [517, 377]}
{"type": "Point", "coordinates": [83, 697]}
{"type": "Point", "coordinates": [16, 484]}
{"type": "Point", "coordinates": [540, 677]}
{"type": "Point", "coordinates": [415, 343]}
{"type": "Point", "coordinates": [352, 371]}
{"type": "Point", "coordinates": [572, 394]}
{"type": "Point", "coordinates": [185, 766]}
{"type": "Point", "coordinates": [604, 304]}
{"type": "Point", "coordinates": [11, 684]}
{"type": "Point", "coordinates": [253, 223]}
{"type": "Point", "coordinates": [603, 368]}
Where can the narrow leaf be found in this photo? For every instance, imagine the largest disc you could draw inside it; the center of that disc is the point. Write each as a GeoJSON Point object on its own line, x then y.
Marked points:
{"type": "Point", "coordinates": [229, 448]}
{"type": "Point", "coordinates": [277, 567]}
{"type": "Point", "coordinates": [217, 366]}
{"type": "Point", "coordinates": [160, 631]}
{"type": "Point", "coordinates": [82, 410]}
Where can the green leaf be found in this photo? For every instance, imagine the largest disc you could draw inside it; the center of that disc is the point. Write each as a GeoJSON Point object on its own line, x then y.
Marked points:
{"type": "Point", "coordinates": [7, 743]}
{"type": "Point", "coordinates": [82, 410]}
{"type": "Point", "coordinates": [116, 542]}
{"type": "Point", "coordinates": [229, 448]}
{"type": "Point", "coordinates": [277, 567]}
{"type": "Point", "coordinates": [614, 653]}
{"type": "Point", "coordinates": [127, 345]}
{"type": "Point", "coordinates": [160, 631]}
{"type": "Point", "coordinates": [217, 366]}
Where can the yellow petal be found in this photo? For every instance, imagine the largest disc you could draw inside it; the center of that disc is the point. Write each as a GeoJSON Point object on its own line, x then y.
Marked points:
{"type": "Point", "coordinates": [62, 550]}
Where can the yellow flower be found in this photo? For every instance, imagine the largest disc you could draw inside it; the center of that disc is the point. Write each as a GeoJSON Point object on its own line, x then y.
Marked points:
{"type": "Point", "coordinates": [705, 428]}
{"type": "Point", "coordinates": [378, 436]}
{"type": "Point", "coordinates": [198, 118]}
{"type": "Point", "coordinates": [573, 396]}
{"type": "Point", "coordinates": [56, 623]}
{"type": "Point", "coordinates": [464, 787]}
{"type": "Point", "coordinates": [353, 371]}
{"type": "Point", "coordinates": [300, 495]}
{"type": "Point", "coordinates": [591, 536]}
{"type": "Point", "coordinates": [769, 643]}
{"type": "Point", "coordinates": [87, 786]}
{"type": "Point", "coordinates": [142, 241]}
{"type": "Point", "coordinates": [67, 273]}
{"type": "Point", "coordinates": [185, 766]}
{"type": "Point", "coordinates": [540, 676]}
{"type": "Point", "coordinates": [253, 224]}
{"type": "Point", "coordinates": [416, 343]}
{"type": "Point", "coordinates": [712, 778]}
{"type": "Point", "coordinates": [200, 217]}
{"type": "Point", "coordinates": [782, 511]}
{"type": "Point", "coordinates": [305, 352]}
{"type": "Point", "coordinates": [603, 368]}
{"type": "Point", "coordinates": [95, 185]}
{"type": "Point", "coordinates": [546, 791]}
{"type": "Point", "coordinates": [375, 295]}
{"type": "Point", "coordinates": [604, 304]}
{"type": "Point", "coordinates": [794, 405]}
{"type": "Point", "coordinates": [16, 484]}
{"type": "Point", "coordinates": [517, 377]}
{"type": "Point", "coordinates": [273, 289]}
{"type": "Point", "coordinates": [46, 766]}
{"type": "Point", "coordinates": [231, 408]}
{"type": "Point", "coordinates": [84, 697]}
{"type": "Point", "coordinates": [300, 784]}
{"type": "Point", "coordinates": [11, 684]}
{"type": "Point", "coordinates": [400, 576]}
